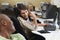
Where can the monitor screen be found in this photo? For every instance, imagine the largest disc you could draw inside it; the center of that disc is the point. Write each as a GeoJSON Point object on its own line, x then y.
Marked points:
{"type": "Point", "coordinates": [51, 12]}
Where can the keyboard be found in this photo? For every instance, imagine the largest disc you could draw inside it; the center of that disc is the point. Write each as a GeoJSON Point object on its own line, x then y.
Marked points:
{"type": "Point", "coordinates": [43, 31]}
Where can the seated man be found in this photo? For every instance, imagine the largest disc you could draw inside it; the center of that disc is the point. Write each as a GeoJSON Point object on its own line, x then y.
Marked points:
{"type": "Point", "coordinates": [21, 11]}
{"type": "Point", "coordinates": [23, 17]}
{"type": "Point", "coordinates": [7, 28]}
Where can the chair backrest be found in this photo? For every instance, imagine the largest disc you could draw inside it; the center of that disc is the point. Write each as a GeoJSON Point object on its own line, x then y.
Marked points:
{"type": "Point", "coordinates": [51, 12]}
{"type": "Point", "coordinates": [18, 27]}
{"type": "Point", "coordinates": [17, 12]}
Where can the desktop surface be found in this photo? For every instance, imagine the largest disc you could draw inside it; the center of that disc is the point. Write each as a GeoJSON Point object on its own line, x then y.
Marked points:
{"type": "Point", "coordinates": [43, 31]}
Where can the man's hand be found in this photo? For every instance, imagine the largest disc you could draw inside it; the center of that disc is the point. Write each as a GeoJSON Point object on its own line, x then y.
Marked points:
{"type": "Point", "coordinates": [42, 24]}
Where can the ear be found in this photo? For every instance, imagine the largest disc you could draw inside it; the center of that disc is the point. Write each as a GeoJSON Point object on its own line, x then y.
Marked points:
{"type": "Point", "coordinates": [4, 22]}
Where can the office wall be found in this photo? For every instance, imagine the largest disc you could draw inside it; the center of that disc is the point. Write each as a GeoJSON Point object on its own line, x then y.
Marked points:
{"type": "Point", "coordinates": [56, 2]}
{"type": "Point", "coordinates": [34, 2]}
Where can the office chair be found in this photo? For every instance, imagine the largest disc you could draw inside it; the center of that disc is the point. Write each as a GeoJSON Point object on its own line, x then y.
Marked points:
{"type": "Point", "coordinates": [51, 13]}
{"type": "Point", "coordinates": [18, 27]}
{"type": "Point", "coordinates": [16, 11]}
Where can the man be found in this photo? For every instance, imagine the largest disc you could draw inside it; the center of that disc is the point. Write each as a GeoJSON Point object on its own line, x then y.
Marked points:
{"type": "Point", "coordinates": [7, 28]}
{"type": "Point", "coordinates": [23, 7]}
{"type": "Point", "coordinates": [27, 25]}
{"type": "Point", "coordinates": [26, 14]}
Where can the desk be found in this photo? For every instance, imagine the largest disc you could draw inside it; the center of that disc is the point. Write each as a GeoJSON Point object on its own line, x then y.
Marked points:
{"type": "Point", "coordinates": [54, 35]}
{"type": "Point", "coordinates": [42, 20]}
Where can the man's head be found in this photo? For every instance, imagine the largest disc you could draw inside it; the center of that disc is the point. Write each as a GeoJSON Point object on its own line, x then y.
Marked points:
{"type": "Point", "coordinates": [6, 24]}
{"type": "Point", "coordinates": [23, 11]}
{"type": "Point", "coordinates": [30, 7]}
{"type": "Point", "coordinates": [24, 14]}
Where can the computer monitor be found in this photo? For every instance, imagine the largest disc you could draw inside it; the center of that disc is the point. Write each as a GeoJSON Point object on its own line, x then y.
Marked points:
{"type": "Point", "coordinates": [51, 12]}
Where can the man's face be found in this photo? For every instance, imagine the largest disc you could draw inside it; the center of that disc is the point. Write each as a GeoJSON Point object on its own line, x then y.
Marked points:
{"type": "Point", "coordinates": [30, 7]}
{"type": "Point", "coordinates": [24, 14]}
{"type": "Point", "coordinates": [10, 26]}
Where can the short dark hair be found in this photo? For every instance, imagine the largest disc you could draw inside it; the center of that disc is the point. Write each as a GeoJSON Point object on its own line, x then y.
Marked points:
{"type": "Point", "coordinates": [19, 8]}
